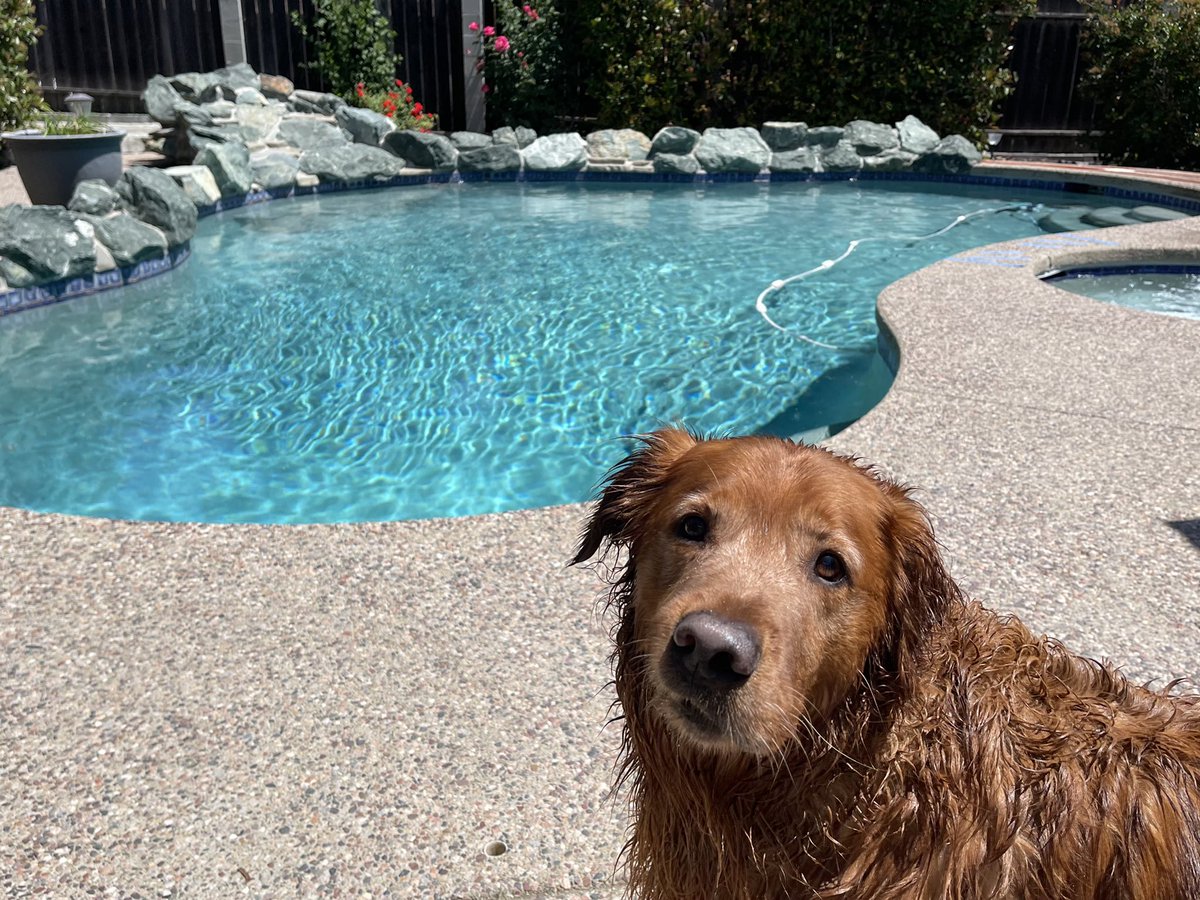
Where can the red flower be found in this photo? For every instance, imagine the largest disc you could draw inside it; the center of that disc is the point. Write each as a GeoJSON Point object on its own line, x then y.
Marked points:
{"type": "Point", "coordinates": [358, 89]}
{"type": "Point", "coordinates": [408, 89]}
{"type": "Point", "coordinates": [393, 95]}
{"type": "Point", "coordinates": [399, 83]}
{"type": "Point", "coordinates": [417, 107]}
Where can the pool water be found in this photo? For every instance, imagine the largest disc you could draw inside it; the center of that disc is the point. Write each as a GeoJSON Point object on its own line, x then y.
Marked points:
{"type": "Point", "coordinates": [1165, 292]}
{"type": "Point", "coordinates": [457, 349]}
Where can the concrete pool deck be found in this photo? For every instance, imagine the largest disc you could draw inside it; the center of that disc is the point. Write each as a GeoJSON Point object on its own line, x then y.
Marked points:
{"type": "Point", "coordinates": [377, 709]}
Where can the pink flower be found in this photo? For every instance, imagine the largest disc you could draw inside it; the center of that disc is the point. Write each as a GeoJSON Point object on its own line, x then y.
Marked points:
{"type": "Point", "coordinates": [474, 26]}
{"type": "Point", "coordinates": [486, 89]}
{"type": "Point", "coordinates": [501, 43]}
{"type": "Point", "coordinates": [528, 10]}
{"type": "Point", "coordinates": [489, 31]}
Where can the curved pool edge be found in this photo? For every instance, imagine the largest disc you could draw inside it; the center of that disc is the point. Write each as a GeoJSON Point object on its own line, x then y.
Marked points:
{"type": "Point", "coordinates": [259, 703]}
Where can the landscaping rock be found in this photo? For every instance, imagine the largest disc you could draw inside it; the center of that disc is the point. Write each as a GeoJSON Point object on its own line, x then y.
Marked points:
{"type": "Point", "coordinates": [363, 126]}
{"type": "Point", "coordinates": [556, 153]}
{"type": "Point", "coordinates": [274, 169]}
{"type": "Point", "coordinates": [895, 160]}
{"type": "Point", "coordinates": [310, 134]}
{"type": "Point", "coordinates": [469, 140]}
{"type": "Point", "coordinates": [275, 87]}
{"type": "Point", "coordinates": [230, 166]}
{"type": "Point", "coordinates": [350, 162]}
{"type": "Point", "coordinates": [676, 163]}
{"type": "Point", "coordinates": [188, 114]}
{"type": "Point", "coordinates": [258, 123]}
{"type": "Point", "coordinates": [423, 150]}
{"type": "Point", "coordinates": [525, 136]}
{"type": "Point", "coordinates": [316, 102]}
{"type": "Point", "coordinates": [799, 159]}
{"type": "Point", "coordinates": [129, 240]}
{"type": "Point", "coordinates": [505, 135]}
{"type": "Point", "coordinates": [841, 157]}
{"type": "Point", "coordinates": [732, 150]}
{"type": "Point", "coordinates": [953, 155]}
{"type": "Point", "coordinates": [916, 136]}
{"type": "Point", "coordinates": [492, 158]}
{"type": "Point", "coordinates": [93, 196]}
{"type": "Point", "coordinates": [160, 100]}
{"type": "Point", "coordinates": [871, 138]}
{"type": "Point", "coordinates": [44, 244]}
{"type": "Point", "coordinates": [235, 77]}
{"type": "Point", "coordinates": [621, 143]}
{"type": "Point", "coordinates": [197, 182]}
{"type": "Point", "coordinates": [784, 136]}
{"type": "Point", "coordinates": [201, 136]}
{"type": "Point", "coordinates": [824, 136]}
{"type": "Point", "coordinates": [153, 196]}
{"type": "Point", "coordinates": [249, 96]}
{"type": "Point", "coordinates": [221, 109]}
{"type": "Point", "coordinates": [192, 85]}
{"type": "Point", "coordinates": [674, 139]}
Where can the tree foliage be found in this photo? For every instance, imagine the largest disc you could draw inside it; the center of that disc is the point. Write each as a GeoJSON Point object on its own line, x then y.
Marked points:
{"type": "Point", "coordinates": [352, 43]}
{"type": "Point", "coordinates": [20, 100]}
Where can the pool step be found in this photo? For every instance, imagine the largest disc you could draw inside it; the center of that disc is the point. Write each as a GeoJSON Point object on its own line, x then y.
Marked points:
{"type": "Point", "coordinates": [1085, 218]}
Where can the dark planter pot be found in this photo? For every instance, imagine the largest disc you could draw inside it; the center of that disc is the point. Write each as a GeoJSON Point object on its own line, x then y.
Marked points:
{"type": "Point", "coordinates": [52, 164]}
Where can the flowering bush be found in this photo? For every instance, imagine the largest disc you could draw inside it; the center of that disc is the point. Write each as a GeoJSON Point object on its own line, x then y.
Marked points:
{"type": "Point", "coordinates": [397, 104]}
{"type": "Point", "coordinates": [351, 43]}
{"type": "Point", "coordinates": [521, 61]}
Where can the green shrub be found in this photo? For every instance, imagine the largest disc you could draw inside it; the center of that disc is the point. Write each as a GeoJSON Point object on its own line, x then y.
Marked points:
{"type": "Point", "coordinates": [352, 44]}
{"type": "Point", "coordinates": [522, 64]}
{"type": "Point", "coordinates": [1144, 74]}
{"type": "Point", "coordinates": [692, 62]}
{"type": "Point", "coordinates": [20, 101]}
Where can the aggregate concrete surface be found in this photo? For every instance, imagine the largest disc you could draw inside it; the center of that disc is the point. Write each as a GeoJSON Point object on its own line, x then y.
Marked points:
{"type": "Point", "coordinates": [417, 709]}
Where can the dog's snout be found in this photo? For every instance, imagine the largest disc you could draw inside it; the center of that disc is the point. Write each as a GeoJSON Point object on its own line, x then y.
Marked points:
{"type": "Point", "coordinates": [713, 653]}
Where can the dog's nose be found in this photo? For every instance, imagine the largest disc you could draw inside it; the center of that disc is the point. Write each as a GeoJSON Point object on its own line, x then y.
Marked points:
{"type": "Point", "coordinates": [713, 653]}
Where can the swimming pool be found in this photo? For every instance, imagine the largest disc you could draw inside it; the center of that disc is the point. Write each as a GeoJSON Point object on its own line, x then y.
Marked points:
{"type": "Point", "coordinates": [458, 349]}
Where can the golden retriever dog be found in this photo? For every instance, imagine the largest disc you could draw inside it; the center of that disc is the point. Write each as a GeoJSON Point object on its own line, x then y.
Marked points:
{"type": "Point", "coordinates": [811, 708]}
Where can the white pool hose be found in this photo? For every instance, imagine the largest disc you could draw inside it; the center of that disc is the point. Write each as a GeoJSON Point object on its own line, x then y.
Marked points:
{"type": "Point", "coordinates": [780, 283]}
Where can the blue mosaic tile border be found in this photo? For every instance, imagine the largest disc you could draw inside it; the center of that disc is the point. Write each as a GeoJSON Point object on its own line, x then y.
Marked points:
{"type": "Point", "coordinates": [27, 298]}
{"type": "Point", "coordinates": [1126, 269]}
{"type": "Point", "coordinates": [19, 299]}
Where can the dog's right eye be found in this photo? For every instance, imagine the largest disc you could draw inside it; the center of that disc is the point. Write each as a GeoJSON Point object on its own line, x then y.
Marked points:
{"type": "Point", "coordinates": [692, 528]}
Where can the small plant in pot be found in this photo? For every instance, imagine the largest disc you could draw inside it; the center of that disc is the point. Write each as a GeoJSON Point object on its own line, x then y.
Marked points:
{"type": "Point", "coordinates": [63, 151]}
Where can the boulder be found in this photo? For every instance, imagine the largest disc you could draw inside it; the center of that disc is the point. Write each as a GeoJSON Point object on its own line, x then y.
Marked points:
{"type": "Point", "coordinates": [230, 166]}
{"type": "Point", "coordinates": [676, 163]}
{"type": "Point", "coordinates": [160, 99]}
{"type": "Point", "coordinates": [555, 153]}
{"type": "Point", "coordinates": [239, 75]}
{"type": "Point", "coordinates": [895, 160]}
{"type": "Point", "coordinates": [916, 136]}
{"type": "Point", "coordinates": [350, 162]}
{"type": "Point", "coordinates": [197, 182]}
{"type": "Point", "coordinates": [129, 240]}
{"type": "Point", "coordinates": [492, 158]}
{"type": "Point", "coordinates": [275, 87]}
{"type": "Point", "coordinates": [153, 196]}
{"type": "Point", "coordinates": [44, 244]}
{"type": "Point", "coordinates": [953, 155]}
{"type": "Point", "coordinates": [310, 134]}
{"type": "Point", "coordinates": [93, 196]}
{"type": "Point", "coordinates": [799, 159]}
{"type": "Point", "coordinates": [315, 102]}
{"type": "Point", "coordinates": [188, 114]}
{"type": "Point", "coordinates": [249, 96]}
{"type": "Point", "coordinates": [201, 136]}
{"type": "Point", "coordinates": [824, 136]}
{"type": "Point", "coordinates": [505, 135]}
{"type": "Point", "coordinates": [469, 140]}
{"type": "Point", "coordinates": [841, 157]}
{"type": "Point", "coordinates": [192, 85]}
{"type": "Point", "coordinates": [274, 169]}
{"type": "Point", "coordinates": [364, 126]}
{"type": "Point", "coordinates": [619, 143]}
{"type": "Point", "coordinates": [525, 136]}
{"type": "Point", "coordinates": [258, 123]}
{"type": "Point", "coordinates": [871, 138]}
{"type": "Point", "coordinates": [784, 136]}
{"type": "Point", "coordinates": [422, 149]}
{"type": "Point", "coordinates": [732, 150]}
{"type": "Point", "coordinates": [674, 139]}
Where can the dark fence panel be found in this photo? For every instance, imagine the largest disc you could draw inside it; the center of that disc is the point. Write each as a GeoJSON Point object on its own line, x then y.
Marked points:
{"type": "Point", "coordinates": [427, 37]}
{"type": "Point", "coordinates": [110, 48]}
{"type": "Point", "coordinates": [1046, 111]}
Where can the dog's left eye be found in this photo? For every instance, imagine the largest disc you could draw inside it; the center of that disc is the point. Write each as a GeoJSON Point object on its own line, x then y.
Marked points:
{"type": "Point", "coordinates": [829, 567]}
{"type": "Point", "coordinates": [692, 528]}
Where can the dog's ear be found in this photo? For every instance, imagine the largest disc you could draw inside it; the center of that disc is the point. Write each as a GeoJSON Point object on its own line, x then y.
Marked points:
{"type": "Point", "coordinates": [628, 488]}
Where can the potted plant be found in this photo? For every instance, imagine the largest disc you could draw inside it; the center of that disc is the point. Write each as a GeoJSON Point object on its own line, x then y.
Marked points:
{"type": "Point", "coordinates": [64, 151]}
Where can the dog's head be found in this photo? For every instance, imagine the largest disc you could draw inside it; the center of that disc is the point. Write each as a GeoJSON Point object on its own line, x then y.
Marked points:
{"type": "Point", "coordinates": [763, 582]}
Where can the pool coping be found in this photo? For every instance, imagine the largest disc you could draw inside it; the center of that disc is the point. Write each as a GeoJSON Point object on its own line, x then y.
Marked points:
{"type": "Point", "coordinates": [218, 709]}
